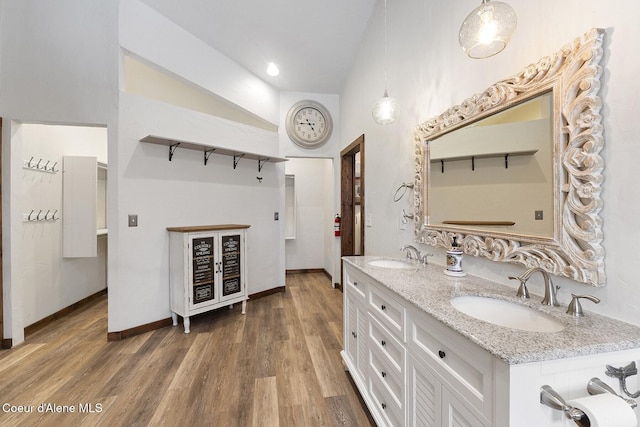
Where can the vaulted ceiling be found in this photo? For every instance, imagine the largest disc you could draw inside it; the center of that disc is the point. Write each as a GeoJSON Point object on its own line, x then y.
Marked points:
{"type": "Point", "coordinates": [312, 42]}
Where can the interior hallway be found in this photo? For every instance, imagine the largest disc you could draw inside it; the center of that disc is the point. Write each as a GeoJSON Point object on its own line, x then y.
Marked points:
{"type": "Point", "coordinates": [278, 365]}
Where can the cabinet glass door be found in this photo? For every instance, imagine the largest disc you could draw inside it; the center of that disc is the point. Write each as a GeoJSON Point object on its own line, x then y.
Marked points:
{"type": "Point", "coordinates": [232, 264]}
{"type": "Point", "coordinates": [203, 270]}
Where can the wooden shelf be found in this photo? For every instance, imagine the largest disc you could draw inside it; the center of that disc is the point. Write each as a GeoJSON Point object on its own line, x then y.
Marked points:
{"type": "Point", "coordinates": [207, 149]}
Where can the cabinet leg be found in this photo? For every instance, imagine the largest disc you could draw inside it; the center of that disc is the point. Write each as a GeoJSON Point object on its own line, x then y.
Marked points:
{"type": "Point", "coordinates": [244, 306]}
{"type": "Point", "coordinates": [174, 317]}
{"type": "Point", "coordinates": [187, 323]}
{"type": "Point", "coordinates": [230, 306]}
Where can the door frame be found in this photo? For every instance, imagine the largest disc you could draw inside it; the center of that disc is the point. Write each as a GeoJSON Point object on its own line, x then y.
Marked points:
{"type": "Point", "coordinates": [347, 199]}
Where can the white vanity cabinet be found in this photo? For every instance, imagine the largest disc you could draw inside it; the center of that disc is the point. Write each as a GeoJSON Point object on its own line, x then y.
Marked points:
{"type": "Point", "coordinates": [374, 347]}
{"type": "Point", "coordinates": [425, 364]}
{"type": "Point", "coordinates": [451, 380]}
{"type": "Point", "coordinates": [355, 323]}
{"type": "Point", "coordinates": [207, 269]}
{"type": "Point", "coordinates": [407, 369]}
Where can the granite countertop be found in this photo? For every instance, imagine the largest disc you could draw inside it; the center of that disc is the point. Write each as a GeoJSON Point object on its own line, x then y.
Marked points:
{"type": "Point", "coordinates": [429, 289]}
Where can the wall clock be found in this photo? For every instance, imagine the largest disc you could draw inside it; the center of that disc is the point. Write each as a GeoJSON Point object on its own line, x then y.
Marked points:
{"type": "Point", "coordinates": [309, 124]}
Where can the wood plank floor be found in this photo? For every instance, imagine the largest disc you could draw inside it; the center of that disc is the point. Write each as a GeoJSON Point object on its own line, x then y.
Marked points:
{"type": "Point", "coordinates": [278, 365]}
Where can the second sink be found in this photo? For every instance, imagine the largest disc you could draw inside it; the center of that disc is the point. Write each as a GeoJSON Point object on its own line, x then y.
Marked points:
{"type": "Point", "coordinates": [390, 263]}
{"type": "Point", "coordinates": [506, 313]}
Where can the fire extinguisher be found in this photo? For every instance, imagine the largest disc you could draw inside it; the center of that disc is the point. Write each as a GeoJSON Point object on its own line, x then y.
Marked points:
{"type": "Point", "coordinates": [336, 226]}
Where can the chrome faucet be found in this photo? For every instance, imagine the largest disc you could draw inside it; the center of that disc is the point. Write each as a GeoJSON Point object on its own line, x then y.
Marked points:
{"type": "Point", "coordinates": [414, 253]}
{"type": "Point", "coordinates": [550, 291]}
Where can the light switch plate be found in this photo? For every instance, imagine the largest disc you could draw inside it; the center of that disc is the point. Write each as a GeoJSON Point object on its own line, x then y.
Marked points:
{"type": "Point", "coordinates": [133, 220]}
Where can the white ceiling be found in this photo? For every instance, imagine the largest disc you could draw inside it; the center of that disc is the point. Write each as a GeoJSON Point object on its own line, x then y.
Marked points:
{"type": "Point", "coordinates": [312, 42]}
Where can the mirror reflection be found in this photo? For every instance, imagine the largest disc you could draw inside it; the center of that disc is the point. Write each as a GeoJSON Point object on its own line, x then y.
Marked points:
{"type": "Point", "coordinates": [496, 173]}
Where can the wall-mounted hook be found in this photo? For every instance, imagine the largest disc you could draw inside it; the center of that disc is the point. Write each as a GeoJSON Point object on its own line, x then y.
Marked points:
{"type": "Point", "coordinates": [38, 216]}
{"type": "Point", "coordinates": [29, 163]}
{"type": "Point", "coordinates": [46, 165]}
{"type": "Point", "coordinates": [259, 178]}
{"type": "Point", "coordinates": [53, 217]}
{"type": "Point", "coordinates": [31, 213]}
{"type": "Point", "coordinates": [38, 165]}
{"type": "Point", "coordinates": [53, 168]}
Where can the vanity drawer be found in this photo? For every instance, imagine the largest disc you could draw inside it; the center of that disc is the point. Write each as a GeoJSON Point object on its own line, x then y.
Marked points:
{"type": "Point", "coordinates": [355, 283]}
{"type": "Point", "coordinates": [457, 361]}
{"type": "Point", "coordinates": [391, 413]}
{"type": "Point", "coordinates": [390, 312]}
{"type": "Point", "coordinates": [383, 342]}
{"type": "Point", "coordinates": [381, 367]}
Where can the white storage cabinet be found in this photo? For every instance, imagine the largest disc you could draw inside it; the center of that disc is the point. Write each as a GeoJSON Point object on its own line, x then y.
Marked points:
{"type": "Point", "coordinates": [207, 269]}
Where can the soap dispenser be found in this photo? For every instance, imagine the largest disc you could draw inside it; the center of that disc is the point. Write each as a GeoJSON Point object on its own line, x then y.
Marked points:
{"type": "Point", "coordinates": [454, 260]}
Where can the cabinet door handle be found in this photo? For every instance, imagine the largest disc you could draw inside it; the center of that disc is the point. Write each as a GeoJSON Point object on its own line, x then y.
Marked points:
{"type": "Point", "coordinates": [384, 406]}
{"type": "Point", "coordinates": [383, 373]}
{"type": "Point", "coordinates": [354, 334]}
{"type": "Point", "coordinates": [383, 307]}
{"type": "Point", "coordinates": [383, 343]}
{"type": "Point", "coordinates": [442, 354]}
{"type": "Point", "coordinates": [355, 283]}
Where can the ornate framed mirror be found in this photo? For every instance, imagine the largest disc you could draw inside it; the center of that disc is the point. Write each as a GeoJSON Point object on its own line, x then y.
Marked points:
{"type": "Point", "coordinates": [514, 172]}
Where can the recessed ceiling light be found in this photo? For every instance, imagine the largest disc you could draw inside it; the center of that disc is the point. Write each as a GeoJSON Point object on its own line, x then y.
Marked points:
{"type": "Point", "coordinates": [272, 69]}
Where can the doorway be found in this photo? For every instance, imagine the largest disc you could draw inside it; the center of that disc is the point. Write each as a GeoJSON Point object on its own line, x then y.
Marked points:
{"type": "Point", "coordinates": [352, 194]}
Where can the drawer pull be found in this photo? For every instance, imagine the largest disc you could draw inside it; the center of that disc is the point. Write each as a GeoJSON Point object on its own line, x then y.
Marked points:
{"type": "Point", "coordinates": [383, 343]}
{"type": "Point", "coordinates": [442, 354]}
{"type": "Point", "coordinates": [384, 406]}
{"type": "Point", "coordinates": [383, 307]}
{"type": "Point", "coordinates": [355, 283]}
{"type": "Point", "coordinates": [354, 334]}
{"type": "Point", "coordinates": [383, 373]}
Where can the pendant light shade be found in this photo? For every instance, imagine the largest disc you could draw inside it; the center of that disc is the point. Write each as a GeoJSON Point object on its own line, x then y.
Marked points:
{"type": "Point", "coordinates": [487, 29]}
{"type": "Point", "coordinates": [385, 110]}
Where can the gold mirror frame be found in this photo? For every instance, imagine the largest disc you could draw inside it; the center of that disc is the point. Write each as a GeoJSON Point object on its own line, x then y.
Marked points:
{"type": "Point", "coordinates": [575, 250]}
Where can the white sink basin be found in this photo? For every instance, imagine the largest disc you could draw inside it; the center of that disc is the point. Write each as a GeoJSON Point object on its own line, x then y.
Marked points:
{"type": "Point", "coordinates": [390, 263]}
{"type": "Point", "coordinates": [506, 313]}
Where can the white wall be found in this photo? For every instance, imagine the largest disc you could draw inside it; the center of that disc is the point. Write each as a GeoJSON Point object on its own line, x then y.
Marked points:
{"type": "Point", "coordinates": [185, 191]}
{"type": "Point", "coordinates": [48, 281]}
{"type": "Point", "coordinates": [58, 64]}
{"type": "Point", "coordinates": [329, 150]}
{"type": "Point", "coordinates": [428, 73]}
{"type": "Point", "coordinates": [61, 63]}
{"type": "Point", "coordinates": [314, 220]}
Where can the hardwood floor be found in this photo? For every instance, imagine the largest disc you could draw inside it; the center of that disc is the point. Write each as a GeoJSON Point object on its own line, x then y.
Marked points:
{"type": "Point", "coordinates": [278, 365]}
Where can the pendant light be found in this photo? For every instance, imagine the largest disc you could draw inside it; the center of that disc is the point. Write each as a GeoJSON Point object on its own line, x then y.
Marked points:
{"type": "Point", "coordinates": [385, 110]}
{"type": "Point", "coordinates": [487, 29]}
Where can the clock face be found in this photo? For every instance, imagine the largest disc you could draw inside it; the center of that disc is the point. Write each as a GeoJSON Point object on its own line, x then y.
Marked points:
{"type": "Point", "coordinates": [309, 124]}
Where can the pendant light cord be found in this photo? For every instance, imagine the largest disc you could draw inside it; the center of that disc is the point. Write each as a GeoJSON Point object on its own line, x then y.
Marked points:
{"type": "Point", "coordinates": [386, 64]}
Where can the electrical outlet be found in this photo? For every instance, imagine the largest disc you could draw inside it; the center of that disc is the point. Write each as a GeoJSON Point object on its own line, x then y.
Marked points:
{"type": "Point", "coordinates": [133, 220]}
{"type": "Point", "coordinates": [538, 215]}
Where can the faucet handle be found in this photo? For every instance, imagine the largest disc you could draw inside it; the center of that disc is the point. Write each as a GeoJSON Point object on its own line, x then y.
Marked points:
{"type": "Point", "coordinates": [575, 308]}
{"type": "Point", "coordinates": [423, 258]}
{"type": "Point", "coordinates": [522, 289]}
